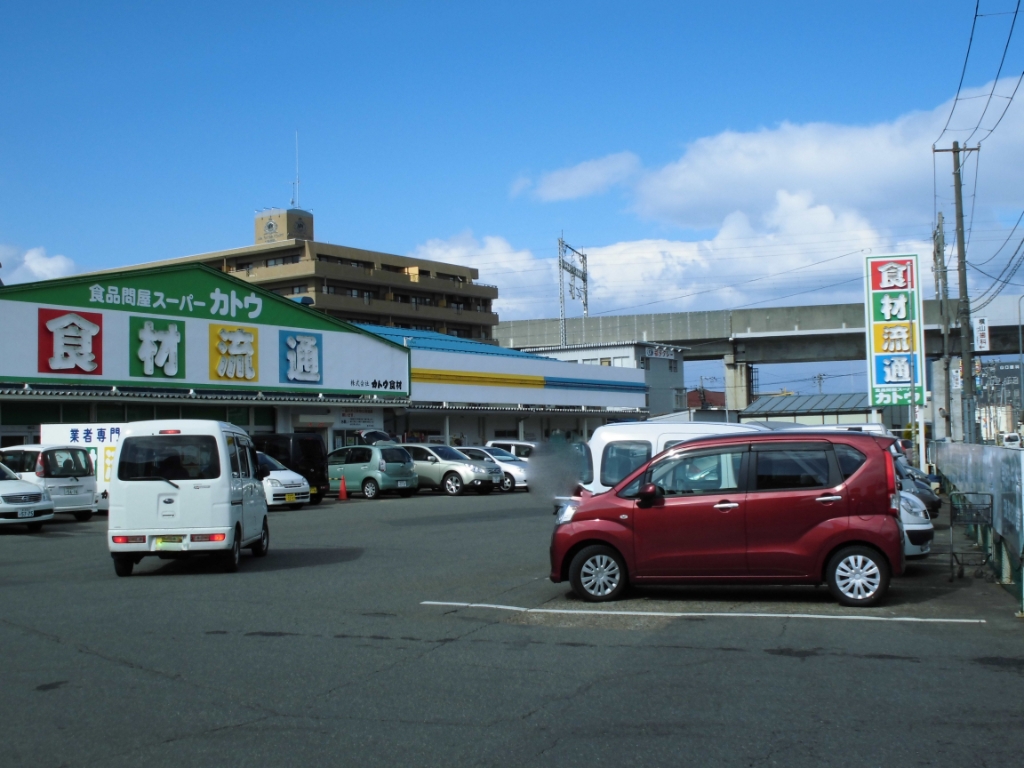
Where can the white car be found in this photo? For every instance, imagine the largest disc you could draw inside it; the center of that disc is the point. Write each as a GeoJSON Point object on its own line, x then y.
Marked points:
{"type": "Point", "coordinates": [282, 486]}
{"type": "Point", "coordinates": [65, 471]}
{"type": "Point", "coordinates": [917, 526]}
{"type": "Point", "coordinates": [512, 467]}
{"type": "Point", "coordinates": [518, 448]}
{"type": "Point", "coordinates": [23, 503]}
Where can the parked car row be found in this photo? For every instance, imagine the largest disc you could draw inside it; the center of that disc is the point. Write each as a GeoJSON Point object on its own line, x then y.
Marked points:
{"type": "Point", "coordinates": [407, 468]}
{"type": "Point", "coordinates": [39, 481]}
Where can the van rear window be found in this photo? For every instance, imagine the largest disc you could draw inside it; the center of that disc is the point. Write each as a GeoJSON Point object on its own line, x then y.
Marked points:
{"type": "Point", "coordinates": [622, 457]}
{"type": "Point", "coordinates": [66, 462]}
{"type": "Point", "coordinates": [169, 457]}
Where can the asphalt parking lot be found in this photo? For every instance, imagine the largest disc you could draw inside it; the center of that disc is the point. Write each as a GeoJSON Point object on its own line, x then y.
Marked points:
{"type": "Point", "coordinates": [394, 632]}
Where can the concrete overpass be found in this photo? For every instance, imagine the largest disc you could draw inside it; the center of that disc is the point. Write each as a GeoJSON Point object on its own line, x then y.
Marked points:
{"type": "Point", "coordinates": [745, 337]}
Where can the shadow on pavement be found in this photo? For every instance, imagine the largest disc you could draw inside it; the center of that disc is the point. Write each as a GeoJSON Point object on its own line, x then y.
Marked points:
{"type": "Point", "coordinates": [276, 560]}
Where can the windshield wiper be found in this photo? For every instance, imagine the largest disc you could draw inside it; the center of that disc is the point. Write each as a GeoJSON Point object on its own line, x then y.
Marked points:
{"type": "Point", "coordinates": [155, 477]}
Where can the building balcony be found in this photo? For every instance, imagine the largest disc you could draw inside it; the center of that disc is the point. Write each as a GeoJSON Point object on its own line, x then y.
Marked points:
{"type": "Point", "coordinates": [333, 302]}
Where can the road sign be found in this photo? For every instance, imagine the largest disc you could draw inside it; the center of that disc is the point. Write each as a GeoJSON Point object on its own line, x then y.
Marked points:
{"type": "Point", "coordinates": [895, 332]}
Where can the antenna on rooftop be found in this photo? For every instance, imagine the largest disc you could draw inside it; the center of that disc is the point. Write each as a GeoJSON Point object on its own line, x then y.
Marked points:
{"type": "Point", "coordinates": [295, 184]}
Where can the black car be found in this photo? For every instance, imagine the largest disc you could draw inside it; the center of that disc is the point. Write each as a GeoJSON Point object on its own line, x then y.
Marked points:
{"type": "Point", "coordinates": [302, 453]}
{"type": "Point", "coordinates": [910, 484]}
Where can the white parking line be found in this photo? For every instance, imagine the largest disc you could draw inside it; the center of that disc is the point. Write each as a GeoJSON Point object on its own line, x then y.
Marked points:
{"type": "Point", "coordinates": [720, 614]}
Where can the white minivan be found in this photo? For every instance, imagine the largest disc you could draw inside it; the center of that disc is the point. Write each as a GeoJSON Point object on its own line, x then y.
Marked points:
{"type": "Point", "coordinates": [184, 487]}
{"type": "Point", "coordinates": [617, 449]}
{"type": "Point", "coordinates": [65, 471]}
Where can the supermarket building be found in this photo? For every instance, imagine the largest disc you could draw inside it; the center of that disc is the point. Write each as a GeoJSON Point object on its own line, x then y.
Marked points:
{"type": "Point", "coordinates": [189, 341]}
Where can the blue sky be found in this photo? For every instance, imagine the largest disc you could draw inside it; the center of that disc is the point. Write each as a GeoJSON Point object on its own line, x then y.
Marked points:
{"type": "Point", "coordinates": [680, 144]}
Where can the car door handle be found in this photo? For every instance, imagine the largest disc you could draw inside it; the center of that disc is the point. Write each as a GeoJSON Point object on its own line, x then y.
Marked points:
{"type": "Point", "coordinates": [725, 506]}
{"type": "Point", "coordinates": [827, 499]}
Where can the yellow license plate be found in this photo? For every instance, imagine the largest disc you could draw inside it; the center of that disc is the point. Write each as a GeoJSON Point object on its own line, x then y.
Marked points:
{"type": "Point", "coordinates": [169, 540]}
{"type": "Point", "coordinates": [312, 490]}
{"type": "Point", "coordinates": [289, 497]}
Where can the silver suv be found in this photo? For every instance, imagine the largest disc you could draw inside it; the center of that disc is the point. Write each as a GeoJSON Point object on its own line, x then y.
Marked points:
{"type": "Point", "coordinates": [444, 468]}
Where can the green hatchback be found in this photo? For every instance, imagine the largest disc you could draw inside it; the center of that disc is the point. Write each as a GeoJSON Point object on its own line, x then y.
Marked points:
{"type": "Point", "coordinates": [372, 470]}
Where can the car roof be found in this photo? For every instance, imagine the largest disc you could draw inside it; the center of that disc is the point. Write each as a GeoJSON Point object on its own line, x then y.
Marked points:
{"type": "Point", "coordinates": [784, 436]}
{"type": "Point", "coordinates": [41, 446]}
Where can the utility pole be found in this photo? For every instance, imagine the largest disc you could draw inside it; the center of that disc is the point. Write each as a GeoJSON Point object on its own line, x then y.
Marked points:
{"type": "Point", "coordinates": [942, 294]}
{"type": "Point", "coordinates": [963, 312]}
{"type": "Point", "coordinates": [819, 378]}
{"type": "Point", "coordinates": [567, 260]}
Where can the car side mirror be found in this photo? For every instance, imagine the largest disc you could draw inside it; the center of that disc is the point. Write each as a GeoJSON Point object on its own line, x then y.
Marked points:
{"type": "Point", "coordinates": [648, 493]}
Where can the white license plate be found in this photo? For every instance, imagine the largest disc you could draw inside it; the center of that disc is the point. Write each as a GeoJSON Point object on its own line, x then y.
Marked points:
{"type": "Point", "coordinates": [70, 491]}
{"type": "Point", "coordinates": [26, 513]}
{"type": "Point", "coordinates": [402, 484]}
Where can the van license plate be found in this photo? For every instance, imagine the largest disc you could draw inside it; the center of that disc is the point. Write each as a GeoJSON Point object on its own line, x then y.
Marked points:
{"type": "Point", "coordinates": [169, 540]}
{"type": "Point", "coordinates": [26, 513]}
{"type": "Point", "coordinates": [402, 484]}
{"type": "Point", "coordinates": [289, 497]}
{"type": "Point", "coordinates": [70, 491]}
{"type": "Point", "coordinates": [312, 490]}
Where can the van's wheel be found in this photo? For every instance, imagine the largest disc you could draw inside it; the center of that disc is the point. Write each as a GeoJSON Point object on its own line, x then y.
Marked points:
{"type": "Point", "coordinates": [35, 527]}
{"type": "Point", "coordinates": [83, 517]}
{"type": "Point", "coordinates": [123, 565]}
{"type": "Point", "coordinates": [316, 498]}
{"type": "Point", "coordinates": [370, 489]}
{"type": "Point", "coordinates": [234, 555]}
{"type": "Point", "coordinates": [857, 576]}
{"type": "Point", "coordinates": [452, 484]}
{"type": "Point", "coordinates": [508, 483]}
{"type": "Point", "coordinates": [598, 574]}
{"type": "Point", "coordinates": [261, 547]}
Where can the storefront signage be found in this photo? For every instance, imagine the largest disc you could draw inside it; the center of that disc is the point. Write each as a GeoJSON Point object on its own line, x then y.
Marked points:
{"type": "Point", "coordinates": [188, 326]}
{"type": "Point", "coordinates": [981, 334]}
{"type": "Point", "coordinates": [663, 352]}
{"type": "Point", "coordinates": [895, 334]}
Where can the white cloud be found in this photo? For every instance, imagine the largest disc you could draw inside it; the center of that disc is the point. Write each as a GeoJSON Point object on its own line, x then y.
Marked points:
{"type": "Point", "coordinates": [588, 178]}
{"type": "Point", "coordinates": [32, 265]}
{"type": "Point", "coordinates": [520, 185]}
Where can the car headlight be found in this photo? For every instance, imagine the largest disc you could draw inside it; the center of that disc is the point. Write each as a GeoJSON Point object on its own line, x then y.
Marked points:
{"type": "Point", "coordinates": [565, 513]}
{"type": "Point", "coordinates": [913, 510]}
{"type": "Point", "coordinates": [275, 483]}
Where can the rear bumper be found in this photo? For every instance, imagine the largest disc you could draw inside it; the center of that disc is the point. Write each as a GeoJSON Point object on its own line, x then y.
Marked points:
{"type": "Point", "coordinates": [390, 483]}
{"type": "Point", "coordinates": [153, 542]}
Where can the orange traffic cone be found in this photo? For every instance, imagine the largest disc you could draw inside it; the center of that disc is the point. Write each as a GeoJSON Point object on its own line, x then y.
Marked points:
{"type": "Point", "coordinates": [342, 490]}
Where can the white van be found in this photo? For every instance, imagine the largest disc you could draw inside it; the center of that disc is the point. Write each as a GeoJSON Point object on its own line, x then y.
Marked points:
{"type": "Point", "coordinates": [186, 487]}
{"type": "Point", "coordinates": [618, 449]}
{"type": "Point", "coordinates": [66, 471]}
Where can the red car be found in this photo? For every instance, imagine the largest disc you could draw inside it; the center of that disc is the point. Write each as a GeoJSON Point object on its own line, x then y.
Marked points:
{"type": "Point", "coordinates": [761, 508]}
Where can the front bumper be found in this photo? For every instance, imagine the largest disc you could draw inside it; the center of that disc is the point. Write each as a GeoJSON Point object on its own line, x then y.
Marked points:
{"type": "Point", "coordinates": [918, 542]}
{"type": "Point", "coordinates": [280, 496]}
{"type": "Point", "coordinates": [157, 543]}
{"type": "Point", "coordinates": [10, 514]}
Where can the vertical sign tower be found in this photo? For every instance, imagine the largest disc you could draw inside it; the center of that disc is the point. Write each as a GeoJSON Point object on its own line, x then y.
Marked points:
{"type": "Point", "coordinates": [895, 331]}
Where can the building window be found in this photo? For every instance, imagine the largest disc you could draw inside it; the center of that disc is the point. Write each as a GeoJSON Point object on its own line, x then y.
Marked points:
{"type": "Point", "coordinates": [620, 362]}
{"type": "Point", "coordinates": [281, 260]}
{"type": "Point", "coordinates": [606, 361]}
{"type": "Point", "coordinates": [673, 366]}
{"type": "Point", "coordinates": [590, 361]}
{"type": "Point", "coordinates": [643, 363]}
{"type": "Point", "coordinates": [240, 267]}
{"type": "Point", "coordinates": [291, 290]}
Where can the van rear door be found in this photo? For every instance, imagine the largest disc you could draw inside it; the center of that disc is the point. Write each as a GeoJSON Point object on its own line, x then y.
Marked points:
{"type": "Point", "coordinates": [168, 481]}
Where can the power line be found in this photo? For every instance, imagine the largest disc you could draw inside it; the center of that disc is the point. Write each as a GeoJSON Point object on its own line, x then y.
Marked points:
{"type": "Point", "coordinates": [963, 72]}
{"type": "Point", "coordinates": [999, 71]}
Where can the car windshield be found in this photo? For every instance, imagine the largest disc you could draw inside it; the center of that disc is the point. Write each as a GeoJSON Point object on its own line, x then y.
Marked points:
{"type": "Point", "coordinates": [448, 453]}
{"type": "Point", "coordinates": [20, 461]}
{"type": "Point", "coordinates": [6, 474]}
{"type": "Point", "coordinates": [169, 457]}
{"type": "Point", "coordinates": [269, 463]}
{"type": "Point", "coordinates": [502, 455]}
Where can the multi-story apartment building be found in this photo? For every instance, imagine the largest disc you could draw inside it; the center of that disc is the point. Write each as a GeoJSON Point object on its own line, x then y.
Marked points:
{"type": "Point", "coordinates": [354, 284]}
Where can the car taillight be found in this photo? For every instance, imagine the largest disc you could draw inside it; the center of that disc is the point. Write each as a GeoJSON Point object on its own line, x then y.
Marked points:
{"type": "Point", "coordinates": [208, 536]}
{"type": "Point", "coordinates": [129, 539]}
{"type": "Point", "coordinates": [890, 484]}
{"type": "Point", "coordinates": [170, 432]}
{"type": "Point", "coordinates": [40, 467]}
{"type": "Point", "coordinates": [382, 466]}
